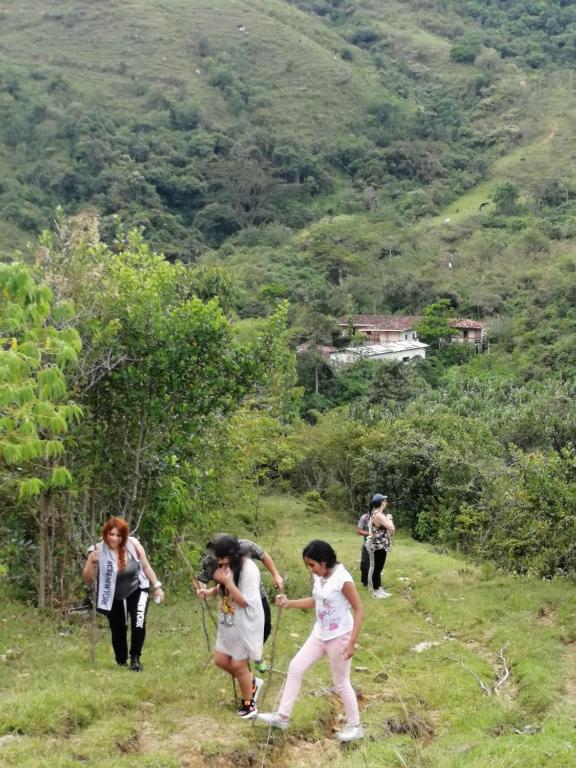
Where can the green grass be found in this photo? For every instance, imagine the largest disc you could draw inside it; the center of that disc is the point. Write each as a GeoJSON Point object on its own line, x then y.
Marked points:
{"type": "Point", "coordinates": [105, 48]}
{"type": "Point", "coordinates": [420, 709]}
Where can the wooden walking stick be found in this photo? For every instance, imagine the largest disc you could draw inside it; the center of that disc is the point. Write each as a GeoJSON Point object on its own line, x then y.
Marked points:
{"type": "Point", "coordinates": [195, 581]}
{"type": "Point", "coordinates": [272, 652]}
{"type": "Point", "coordinates": [93, 628]}
{"type": "Point", "coordinates": [205, 607]}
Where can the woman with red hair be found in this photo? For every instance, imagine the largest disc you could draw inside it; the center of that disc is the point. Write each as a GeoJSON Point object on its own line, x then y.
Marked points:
{"type": "Point", "coordinates": [124, 576]}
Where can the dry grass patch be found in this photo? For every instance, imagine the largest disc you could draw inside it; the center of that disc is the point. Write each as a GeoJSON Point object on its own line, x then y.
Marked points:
{"type": "Point", "coordinates": [419, 727]}
{"type": "Point", "coordinates": [546, 616]}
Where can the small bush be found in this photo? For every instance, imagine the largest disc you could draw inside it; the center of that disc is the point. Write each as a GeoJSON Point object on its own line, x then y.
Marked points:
{"type": "Point", "coordinates": [365, 37]}
{"type": "Point", "coordinates": [315, 504]}
{"type": "Point", "coordinates": [464, 53]}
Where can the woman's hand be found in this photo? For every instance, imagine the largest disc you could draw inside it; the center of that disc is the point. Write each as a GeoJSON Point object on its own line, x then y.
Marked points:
{"type": "Point", "coordinates": [281, 601]}
{"type": "Point", "coordinates": [223, 575]}
{"type": "Point", "coordinates": [349, 650]}
{"type": "Point", "coordinates": [158, 594]}
{"type": "Point", "coordinates": [278, 581]}
{"type": "Point", "coordinates": [203, 593]}
{"type": "Point", "coordinates": [90, 567]}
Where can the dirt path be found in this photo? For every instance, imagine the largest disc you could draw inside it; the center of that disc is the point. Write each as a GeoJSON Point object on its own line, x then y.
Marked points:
{"type": "Point", "coordinates": [551, 133]}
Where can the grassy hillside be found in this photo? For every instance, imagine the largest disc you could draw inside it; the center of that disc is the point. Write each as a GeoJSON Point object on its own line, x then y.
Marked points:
{"type": "Point", "coordinates": [104, 47]}
{"type": "Point", "coordinates": [199, 121]}
{"type": "Point", "coordinates": [421, 708]}
{"type": "Point", "coordinates": [196, 120]}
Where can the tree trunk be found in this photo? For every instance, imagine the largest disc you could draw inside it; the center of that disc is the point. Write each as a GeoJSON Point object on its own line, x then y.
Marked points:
{"type": "Point", "coordinates": [136, 474]}
{"type": "Point", "coordinates": [43, 515]}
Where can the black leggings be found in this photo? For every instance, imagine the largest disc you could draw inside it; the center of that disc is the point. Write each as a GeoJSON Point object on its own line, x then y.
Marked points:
{"type": "Point", "coordinates": [267, 617]}
{"type": "Point", "coordinates": [135, 606]}
{"type": "Point", "coordinates": [379, 560]}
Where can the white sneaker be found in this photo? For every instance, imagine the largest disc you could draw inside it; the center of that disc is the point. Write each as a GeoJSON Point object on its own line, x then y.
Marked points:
{"type": "Point", "coordinates": [273, 719]}
{"type": "Point", "coordinates": [380, 593]}
{"type": "Point", "coordinates": [256, 687]}
{"type": "Point", "coordinates": [350, 733]}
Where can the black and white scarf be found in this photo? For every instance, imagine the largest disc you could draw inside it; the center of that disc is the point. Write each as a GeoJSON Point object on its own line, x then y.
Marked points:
{"type": "Point", "coordinates": [108, 572]}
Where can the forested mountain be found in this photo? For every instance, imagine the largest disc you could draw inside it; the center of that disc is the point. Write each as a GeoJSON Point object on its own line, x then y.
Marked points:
{"type": "Point", "coordinates": [348, 156]}
{"type": "Point", "coordinates": [308, 142]}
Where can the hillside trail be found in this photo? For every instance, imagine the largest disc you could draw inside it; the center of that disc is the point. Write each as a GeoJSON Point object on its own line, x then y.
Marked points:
{"type": "Point", "coordinates": [479, 198]}
{"type": "Point", "coordinates": [450, 643]}
{"type": "Point", "coordinates": [551, 133]}
{"type": "Point", "coordinates": [426, 671]}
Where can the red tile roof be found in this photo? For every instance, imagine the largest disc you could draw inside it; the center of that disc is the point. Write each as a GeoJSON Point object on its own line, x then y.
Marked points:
{"type": "Point", "coordinates": [381, 322]}
{"type": "Point", "coordinates": [463, 323]}
{"type": "Point", "coordinates": [399, 322]}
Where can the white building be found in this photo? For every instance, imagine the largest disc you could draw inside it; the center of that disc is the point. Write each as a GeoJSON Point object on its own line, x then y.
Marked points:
{"type": "Point", "coordinates": [395, 350]}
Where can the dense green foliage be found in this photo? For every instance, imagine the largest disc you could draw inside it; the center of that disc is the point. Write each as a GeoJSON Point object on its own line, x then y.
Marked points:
{"type": "Point", "coordinates": [160, 374]}
{"type": "Point", "coordinates": [200, 155]}
{"type": "Point", "coordinates": [482, 466]}
{"type": "Point", "coordinates": [396, 157]}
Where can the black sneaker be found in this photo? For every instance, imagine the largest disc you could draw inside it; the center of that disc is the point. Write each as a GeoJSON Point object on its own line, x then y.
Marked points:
{"type": "Point", "coordinates": [248, 710]}
{"type": "Point", "coordinates": [136, 666]}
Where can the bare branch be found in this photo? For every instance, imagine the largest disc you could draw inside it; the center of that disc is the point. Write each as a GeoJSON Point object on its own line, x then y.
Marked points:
{"type": "Point", "coordinates": [486, 690]}
{"type": "Point", "coordinates": [91, 372]}
{"type": "Point", "coordinates": [505, 670]}
{"type": "Point", "coordinates": [140, 516]}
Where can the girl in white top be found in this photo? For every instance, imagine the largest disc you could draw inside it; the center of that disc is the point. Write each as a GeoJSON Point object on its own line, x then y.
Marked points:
{"type": "Point", "coordinates": [338, 621]}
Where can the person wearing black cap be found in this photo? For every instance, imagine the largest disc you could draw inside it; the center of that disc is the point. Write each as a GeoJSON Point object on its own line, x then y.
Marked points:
{"type": "Point", "coordinates": [376, 527]}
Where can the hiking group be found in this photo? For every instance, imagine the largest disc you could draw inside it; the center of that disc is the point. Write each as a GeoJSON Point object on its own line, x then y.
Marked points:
{"type": "Point", "coordinates": [123, 577]}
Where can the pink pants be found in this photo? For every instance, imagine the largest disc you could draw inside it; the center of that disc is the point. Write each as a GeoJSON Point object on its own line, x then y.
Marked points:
{"type": "Point", "coordinates": [312, 651]}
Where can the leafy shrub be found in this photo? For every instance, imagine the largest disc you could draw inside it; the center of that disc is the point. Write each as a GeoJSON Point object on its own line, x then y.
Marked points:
{"type": "Point", "coordinates": [217, 222]}
{"type": "Point", "coordinates": [315, 504]}
{"type": "Point", "coordinates": [185, 116]}
{"type": "Point", "coordinates": [365, 37]}
{"type": "Point", "coordinates": [464, 53]}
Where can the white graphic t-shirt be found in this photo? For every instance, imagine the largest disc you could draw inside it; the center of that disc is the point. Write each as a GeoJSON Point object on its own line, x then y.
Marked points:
{"type": "Point", "coordinates": [333, 615]}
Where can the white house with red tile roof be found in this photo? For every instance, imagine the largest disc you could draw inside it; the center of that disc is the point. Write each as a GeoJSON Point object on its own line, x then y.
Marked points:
{"type": "Point", "coordinates": [383, 329]}
{"type": "Point", "coordinates": [468, 332]}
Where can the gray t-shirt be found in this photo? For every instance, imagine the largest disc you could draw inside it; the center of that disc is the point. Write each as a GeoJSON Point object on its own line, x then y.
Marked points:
{"type": "Point", "coordinates": [127, 580]}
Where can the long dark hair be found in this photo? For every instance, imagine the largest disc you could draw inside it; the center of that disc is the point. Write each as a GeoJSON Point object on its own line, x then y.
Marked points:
{"type": "Point", "coordinates": [224, 545]}
{"type": "Point", "coordinates": [321, 552]}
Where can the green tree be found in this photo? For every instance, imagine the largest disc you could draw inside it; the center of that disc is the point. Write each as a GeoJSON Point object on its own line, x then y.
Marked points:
{"type": "Point", "coordinates": [162, 372]}
{"type": "Point", "coordinates": [506, 198]}
{"type": "Point", "coordinates": [434, 327]}
{"type": "Point", "coordinates": [37, 347]}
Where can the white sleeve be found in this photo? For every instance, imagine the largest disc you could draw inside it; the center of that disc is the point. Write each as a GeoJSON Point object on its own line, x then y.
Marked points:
{"type": "Point", "coordinates": [344, 577]}
{"type": "Point", "coordinates": [250, 582]}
